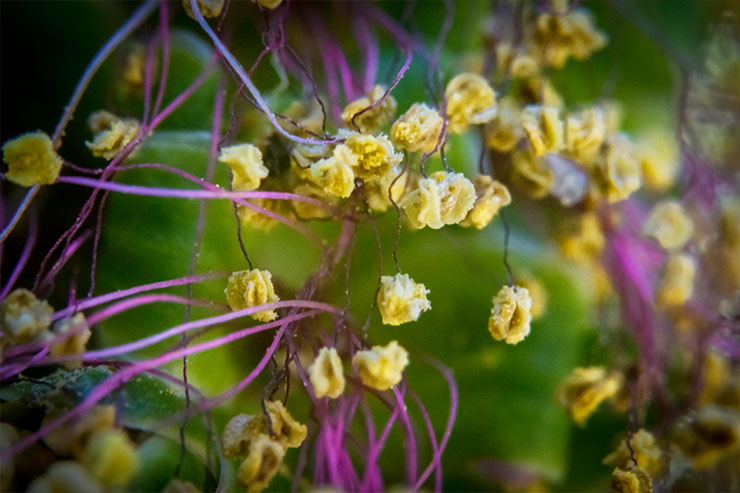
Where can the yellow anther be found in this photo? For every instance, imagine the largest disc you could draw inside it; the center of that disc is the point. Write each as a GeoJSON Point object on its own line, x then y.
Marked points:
{"type": "Point", "coordinates": [531, 174]}
{"type": "Point", "coordinates": [505, 131]}
{"type": "Point", "coordinates": [709, 435]}
{"type": "Point", "coordinates": [538, 293]}
{"type": "Point", "coordinates": [248, 288]}
{"type": "Point", "coordinates": [669, 225]}
{"type": "Point", "coordinates": [375, 155]}
{"type": "Point", "coordinates": [245, 161]}
{"type": "Point", "coordinates": [658, 155]}
{"type": "Point", "coordinates": [677, 285]}
{"type": "Point", "coordinates": [381, 367]}
{"type": "Point", "coordinates": [584, 389]}
{"type": "Point", "coordinates": [511, 314]}
{"type": "Point", "coordinates": [239, 434]}
{"type": "Point", "coordinates": [31, 159]}
{"type": "Point", "coordinates": [23, 317]}
{"type": "Point", "coordinates": [491, 196]}
{"type": "Point", "coordinates": [373, 119]}
{"type": "Point", "coordinates": [645, 450]}
{"type": "Point", "coordinates": [113, 133]}
{"type": "Point", "coordinates": [584, 240]}
{"type": "Point", "coordinates": [467, 95]}
{"type": "Point", "coordinates": [443, 198]}
{"type": "Point", "coordinates": [418, 129]}
{"type": "Point", "coordinates": [632, 480]}
{"type": "Point", "coordinates": [209, 8]}
{"type": "Point", "coordinates": [285, 428]}
{"type": "Point", "coordinates": [326, 374]}
{"type": "Point", "coordinates": [619, 171]}
{"type": "Point", "coordinates": [334, 176]}
{"type": "Point", "coordinates": [401, 300]}
{"type": "Point", "coordinates": [73, 439]}
{"type": "Point", "coordinates": [584, 134]}
{"type": "Point", "coordinates": [73, 344]}
{"type": "Point", "coordinates": [110, 457]}
{"type": "Point", "coordinates": [544, 129]}
{"type": "Point", "coordinates": [262, 463]}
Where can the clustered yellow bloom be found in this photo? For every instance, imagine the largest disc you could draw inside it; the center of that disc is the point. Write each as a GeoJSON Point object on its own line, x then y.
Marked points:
{"type": "Point", "coordinates": [73, 344]}
{"type": "Point", "coordinates": [467, 95]}
{"type": "Point", "coordinates": [31, 159]}
{"type": "Point", "coordinates": [544, 129]}
{"type": "Point", "coordinates": [401, 300]}
{"type": "Point", "coordinates": [377, 192]}
{"type": "Point", "coordinates": [585, 132]}
{"type": "Point", "coordinates": [557, 37]}
{"type": "Point", "coordinates": [584, 389]}
{"type": "Point", "coordinates": [245, 161]}
{"type": "Point", "coordinates": [669, 225]}
{"type": "Point", "coordinates": [382, 366]}
{"type": "Point", "coordinates": [511, 314]}
{"type": "Point", "coordinates": [631, 480]}
{"type": "Point", "coordinates": [23, 317]}
{"type": "Point", "coordinates": [263, 443]}
{"type": "Point", "coordinates": [505, 128]}
{"type": "Point", "coordinates": [531, 173]}
{"type": "Point", "coordinates": [584, 240]}
{"type": "Point", "coordinates": [443, 198]}
{"type": "Point", "coordinates": [708, 435]}
{"type": "Point", "coordinates": [248, 288]}
{"type": "Point", "coordinates": [677, 284]}
{"type": "Point", "coordinates": [538, 293]}
{"type": "Point", "coordinates": [374, 156]}
{"type": "Point", "coordinates": [658, 157]}
{"type": "Point", "coordinates": [326, 374]}
{"type": "Point", "coordinates": [112, 134]}
{"type": "Point", "coordinates": [418, 129]}
{"type": "Point", "coordinates": [619, 172]}
{"type": "Point", "coordinates": [334, 175]}
{"type": "Point", "coordinates": [373, 119]}
{"type": "Point", "coordinates": [491, 196]}
{"type": "Point", "coordinates": [110, 457]}
{"type": "Point", "coordinates": [645, 450]}
{"type": "Point", "coordinates": [73, 439]}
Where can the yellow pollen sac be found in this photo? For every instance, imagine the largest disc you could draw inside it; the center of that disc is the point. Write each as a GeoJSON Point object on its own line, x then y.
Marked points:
{"type": "Point", "coordinates": [334, 176]}
{"type": "Point", "coordinates": [647, 453]}
{"type": "Point", "coordinates": [112, 134]}
{"type": "Point", "coordinates": [65, 477]}
{"type": "Point", "coordinates": [584, 389]}
{"type": "Point", "coordinates": [31, 160]}
{"type": "Point", "coordinates": [584, 240]}
{"type": "Point", "coordinates": [73, 439]}
{"type": "Point", "coordinates": [110, 457]}
{"type": "Point", "coordinates": [418, 129]}
{"type": "Point", "coordinates": [584, 134]}
{"type": "Point", "coordinates": [544, 129]}
{"type": "Point", "coordinates": [443, 198]}
{"type": "Point", "coordinates": [505, 131]}
{"type": "Point", "coordinates": [209, 8]}
{"type": "Point", "coordinates": [248, 288]}
{"type": "Point", "coordinates": [326, 374]}
{"type": "Point", "coordinates": [677, 285]}
{"type": "Point", "coordinates": [669, 225]}
{"type": "Point", "coordinates": [531, 174]}
{"type": "Point", "coordinates": [381, 367]}
{"type": "Point", "coordinates": [619, 170]}
{"type": "Point", "coordinates": [538, 293]}
{"type": "Point", "coordinates": [632, 480]}
{"type": "Point", "coordinates": [709, 435]}
{"type": "Point", "coordinates": [401, 300]}
{"type": "Point", "coordinates": [373, 119]}
{"type": "Point", "coordinates": [375, 155]}
{"type": "Point", "coordinates": [658, 155]}
{"type": "Point", "coordinates": [557, 37]}
{"type": "Point", "coordinates": [491, 196]}
{"type": "Point", "coordinates": [239, 434]}
{"type": "Point", "coordinates": [73, 344]}
{"type": "Point", "coordinates": [467, 95]}
{"type": "Point", "coordinates": [377, 192]}
{"type": "Point", "coordinates": [285, 429]}
{"type": "Point", "coordinates": [245, 161]}
{"type": "Point", "coordinates": [23, 318]}
{"type": "Point", "coordinates": [511, 314]}
{"type": "Point", "coordinates": [262, 463]}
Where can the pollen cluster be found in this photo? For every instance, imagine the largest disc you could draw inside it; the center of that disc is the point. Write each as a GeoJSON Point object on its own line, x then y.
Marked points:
{"type": "Point", "coordinates": [401, 300]}
{"type": "Point", "coordinates": [248, 288]}
{"type": "Point", "coordinates": [381, 367]}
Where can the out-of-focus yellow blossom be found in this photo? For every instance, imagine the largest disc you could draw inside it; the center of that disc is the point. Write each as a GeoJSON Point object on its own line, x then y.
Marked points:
{"type": "Point", "coordinates": [239, 434]}
{"type": "Point", "coordinates": [491, 196]}
{"type": "Point", "coordinates": [505, 131]}
{"type": "Point", "coordinates": [375, 155]}
{"type": "Point", "coordinates": [544, 128]}
{"type": "Point", "coordinates": [73, 439]}
{"type": "Point", "coordinates": [8, 437]}
{"type": "Point", "coordinates": [264, 458]}
{"type": "Point", "coordinates": [443, 198]}
{"type": "Point", "coordinates": [619, 171]}
{"type": "Point", "coordinates": [134, 66]}
{"type": "Point", "coordinates": [669, 225]}
{"type": "Point", "coordinates": [285, 429]}
{"type": "Point", "coordinates": [381, 367]}
{"type": "Point", "coordinates": [113, 133]}
{"type": "Point", "coordinates": [334, 176]}
{"type": "Point", "coordinates": [65, 477]}
{"type": "Point", "coordinates": [658, 155]}
{"type": "Point", "coordinates": [632, 480]}
{"type": "Point", "coordinates": [708, 435]}
{"type": "Point", "coordinates": [531, 174]}
{"type": "Point", "coordinates": [467, 95]}
{"type": "Point", "coordinates": [257, 220]}
{"type": "Point", "coordinates": [584, 389]}
{"type": "Point", "coordinates": [584, 133]}
{"type": "Point", "coordinates": [73, 344]}
{"type": "Point", "coordinates": [307, 113]}
{"type": "Point", "coordinates": [247, 288]}
{"type": "Point", "coordinates": [511, 314]}
{"type": "Point", "coordinates": [418, 129]}
{"type": "Point", "coordinates": [269, 4]}
{"type": "Point", "coordinates": [377, 191]}
{"type": "Point", "coordinates": [647, 453]}
{"type": "Point", "coordinates": [401, 300]}
{"type": "Point", "coordinates": [306, 211]}
{"type": "Point", "coordinates": [373, 119]}
{"type": "Point", "coordinates": [557, 37]}
{"type": "Point", "coordinates": [539, 90]}
{"type": "Point", "coordinates": [517, 62]}
{"type": "Point", "coordinates": [584, 240]}
{"type": "Point", "coordinates": [245, 161]}
{"type": "Point", "coordinates": [677, 284]}
{"type": "Point", "coordinates": [715, 376]}
{"type": "Point", "coordinates": [31, 159]}
{"type": "Point", "coordinates": [537, 292]}
{"type": "Point", "coordinates": [23, 317]}
{"type": "Point", "coordinates": [209, 8]}
{"type": "Point", "coordinates": [179, 486]}
{"type": "Point", "coordinates": [110, 457]}
{"type": "Point", "coordinates": [326, 374]}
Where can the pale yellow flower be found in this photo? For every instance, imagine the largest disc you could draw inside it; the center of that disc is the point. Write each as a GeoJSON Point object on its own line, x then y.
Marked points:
{"type": "Point", "coordinates": [505, 131]}
{"type": "Point", "coordinates": [544, 129]}
{"type": "Point", "coordinates": [248, 288]}
{"type": "Point", "coordinates": [467, 95]}
{"type": "Point", "coordinates": [584, 389]}
{"type": "Point", "coordinates": [373, 119]}
{"type": "Point", "coordinates": [31, 159]}
{"type": "Point", "coordinates": [381, 367]}
{"type": "Point", "coordinates": [110, 457]}
{"type": "Point", "coordinates": [584, 240]}
{"type": "Point", "coordinates": [443, 198]}
{"type": "Point", "coordinates": [334, 176]}
{"type": "Point", "coordinates": [326, 374]}
{"type": "Point", "coordinates": [239, 434]}
{"type": "Point", "coordinates": [375, 155]}
{"type": "Point", "coordinates": [658, 155]}
{"type": "Point", "coordinates": [619, 172]}
{"type": "Point", "coordinates": [73, 344]}
{"type": "Point", "coordinates": [24, 318]}
{"type": "Point", "coordinates": [585, 132]}
{"type": "Point", "coordinates": [511, 314]}
{"type": "Point", "coordinates": [285, 429]}
{"type": "Point", "coordinates": [491, 196]}
{"type": "Point", "coordinates": [72, 439]}
{"type": "Point", "coordinates": [669, 224]}
{"type": "Point", "coordinates": [401, 300]}
{"type": "Point", "coordinates": [418, 129]}
{"type": "Point", "coordinates": [112, 138]}
{"type": "Point", "coordinates": [247, 168]}
{"type": "Point", "coordinates": [677, 284]}
{"type": "Point", "coordinates": [264, 458]}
